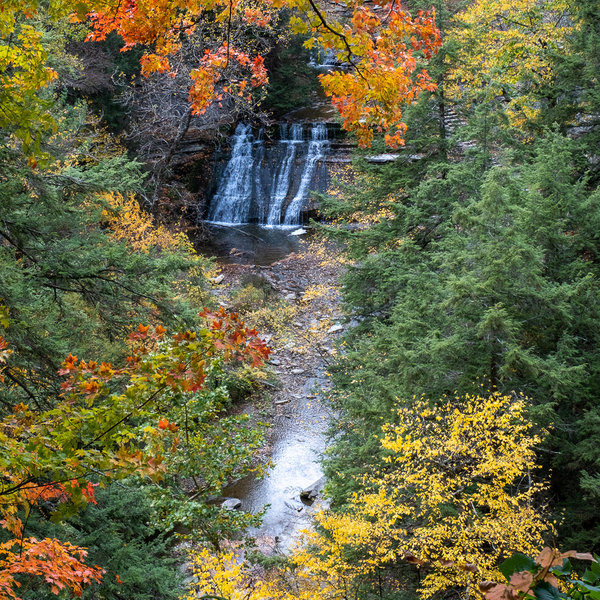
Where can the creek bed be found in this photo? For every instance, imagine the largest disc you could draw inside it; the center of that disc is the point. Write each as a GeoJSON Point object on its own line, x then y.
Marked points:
{"type": "Point", "coordinates": [298, 440]}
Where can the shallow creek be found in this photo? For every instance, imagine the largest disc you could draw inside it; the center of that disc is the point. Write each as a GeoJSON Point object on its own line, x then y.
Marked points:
{"type": "Point", "coordinates": [297, 437]}
{"type": "Point", "coordinates": [262, 193]}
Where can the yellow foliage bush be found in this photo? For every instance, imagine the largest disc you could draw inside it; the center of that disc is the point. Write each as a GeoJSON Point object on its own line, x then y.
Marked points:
{"type": "Point", "coordinates": [132, 224]}
{"type": "Point", "coordinates": [456, 495]}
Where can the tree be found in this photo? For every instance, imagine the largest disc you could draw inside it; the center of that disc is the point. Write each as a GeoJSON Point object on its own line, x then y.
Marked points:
{"type": "Point", "coordinates": [23, 76]}
{"type": "Point", "coordinates": [467, 280]}
{"type": "Point", "coordinates": [69, 284]}
{"type": "Point", "coordinates": [456, 493]}
{"type": "Point", "coordinates": [573, 99]}
{"type": "Point", "coordinates": [507, 49]}
{"type": "Point", "coordinates": [139, 558]}
{"type": "Point", "coordinates": [155, 417]}
{"type": "Point", "coordinates": [456, 497]}
{"type": "Point", "coordinates": [382, 50]}
{"type": "Point", "coordinates": [463, 474]}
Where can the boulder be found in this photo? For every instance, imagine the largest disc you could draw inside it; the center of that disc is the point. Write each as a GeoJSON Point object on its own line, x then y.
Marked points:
{"type": "Point", "coordinates": [232, 504]}
{"type": "Point", "coordinates": [308, 494]}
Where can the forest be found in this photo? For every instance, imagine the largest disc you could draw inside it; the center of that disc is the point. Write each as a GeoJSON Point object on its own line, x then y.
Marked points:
{"type": "Point", "coordinates": [441, 309]}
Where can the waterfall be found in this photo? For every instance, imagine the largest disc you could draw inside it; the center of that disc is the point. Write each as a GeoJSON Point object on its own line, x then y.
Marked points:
{"type": "Point", "coordinates": [261, 180]}
{"type": "Point", "coordinates": [231, 203]}
{"type": "Point", "coordinates": [283, 176]}
{"type": "Point", "coordinates": [317, 148]}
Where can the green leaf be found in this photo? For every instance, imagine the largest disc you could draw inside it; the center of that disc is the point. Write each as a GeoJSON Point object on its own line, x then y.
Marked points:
{"type": "Point", "coordinates": [545, 591]}
{"type": "Point", "coordinates": [590, 576]}
{"type": "Point", "coordinates": [586, 587]}
{"type": "Point", "coordinates": [565, 569]}
{"type": "Point", "coordinates": [516, 563]}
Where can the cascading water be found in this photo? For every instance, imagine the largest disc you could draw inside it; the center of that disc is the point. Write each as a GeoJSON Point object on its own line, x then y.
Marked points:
{"type": "Point", "coordinates": [282, 179]}
{"type": "Point", "coordinates": [268, 184]}
{"type": "Point", "coordinates": [317, 148]}
{"type": "Point", "coordinates": [231, 203]}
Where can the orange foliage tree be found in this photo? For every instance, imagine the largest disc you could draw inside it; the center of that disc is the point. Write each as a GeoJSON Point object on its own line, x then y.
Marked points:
{"type": "Point", "coordinates": [142, 418]}
{"type": "Point", "coordinates": [380, 43]}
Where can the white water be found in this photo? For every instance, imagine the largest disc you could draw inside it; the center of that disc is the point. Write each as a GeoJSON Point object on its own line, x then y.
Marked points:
{"type": "Point", "coordinates": [282, 179]}
{"type": "Point", "coordinates": [231, 203]}
{"type": "Point", "coordinates": [268, 185]}
{"type": "Point", "coordinates": [317, 147]}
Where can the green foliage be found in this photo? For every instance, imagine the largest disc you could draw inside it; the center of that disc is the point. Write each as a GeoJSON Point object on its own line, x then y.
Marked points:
{"type": "Point", "coordinates": [68, 285]}
{"type": "Point", "coordinates": [118, 534]}
{"type": "Point", "coordinates": [291, 80]}
{"type": "Point", "coordinates": [159, 417]}
{"type": "Point", "coordinates": [253, 293]}
{"type": "Point", "coordinates": [573, 101]}
{"type": "Point", "coordinates": [517, 562]}
{"type": "Point", "coordinates": [551, 576]}
{"type": "Point", "coordinates": [494, 282]}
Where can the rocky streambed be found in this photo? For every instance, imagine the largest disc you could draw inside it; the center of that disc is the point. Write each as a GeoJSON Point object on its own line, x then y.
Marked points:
{"type": "Point", "coordinates": [301, 319]}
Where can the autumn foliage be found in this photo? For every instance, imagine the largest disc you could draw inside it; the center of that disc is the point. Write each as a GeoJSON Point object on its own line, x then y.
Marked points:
{"type": "Point", "coordinates": [93, 432]}
{"type": "Point", "coordinates": [456, 499]}
{"type": "Point", "coordinates": [133, 225]}
{"type": "Point", "coordinates": [386, 77]}
{"type": "Point", "coordinates": [548, 573]}
{"type": "Point", "coordinates": [508, 49]}
{"type": "Point", "coordinates": [380, 43]}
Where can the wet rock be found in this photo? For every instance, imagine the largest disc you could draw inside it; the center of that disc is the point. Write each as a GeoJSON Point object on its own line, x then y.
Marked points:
{"type": "Point", "coordinates": [282, 401]}
{"type": "Point", "coordinates": [297, 371]}
{"type": "Point", "coordinates": [335, 328]}
{"type": "Point", "coordinates": [380, 159]}
{"type": "Point", "coordinates": [298, 232]}
{"type": "Point", "coordinates": [232, 504]}
{"type": "Point", "coordinates": [219, 279]}
{"type": "Point", "coordinates": [309, 493]}
{"type": "Point", "coordinates": [274, 361]}
{"type": "Point", "coordinates": [290, 296]}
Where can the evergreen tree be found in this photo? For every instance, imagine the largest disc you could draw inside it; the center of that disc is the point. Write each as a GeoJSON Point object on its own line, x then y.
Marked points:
{"type": "Point", "coordinates": [504, 294]}
{"type": "Point", "coordinates": [68, 284]}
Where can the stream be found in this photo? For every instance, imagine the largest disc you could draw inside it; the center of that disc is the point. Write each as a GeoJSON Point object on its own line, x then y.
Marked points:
{"type": "Point", "coordinates": [250, 244]}
{"type": "Point", "coordinates": [255, 217]}
{"type": "Point", "coordinates": [299, 414]}
{"type": "Point", "coordinates": [298, 439]}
